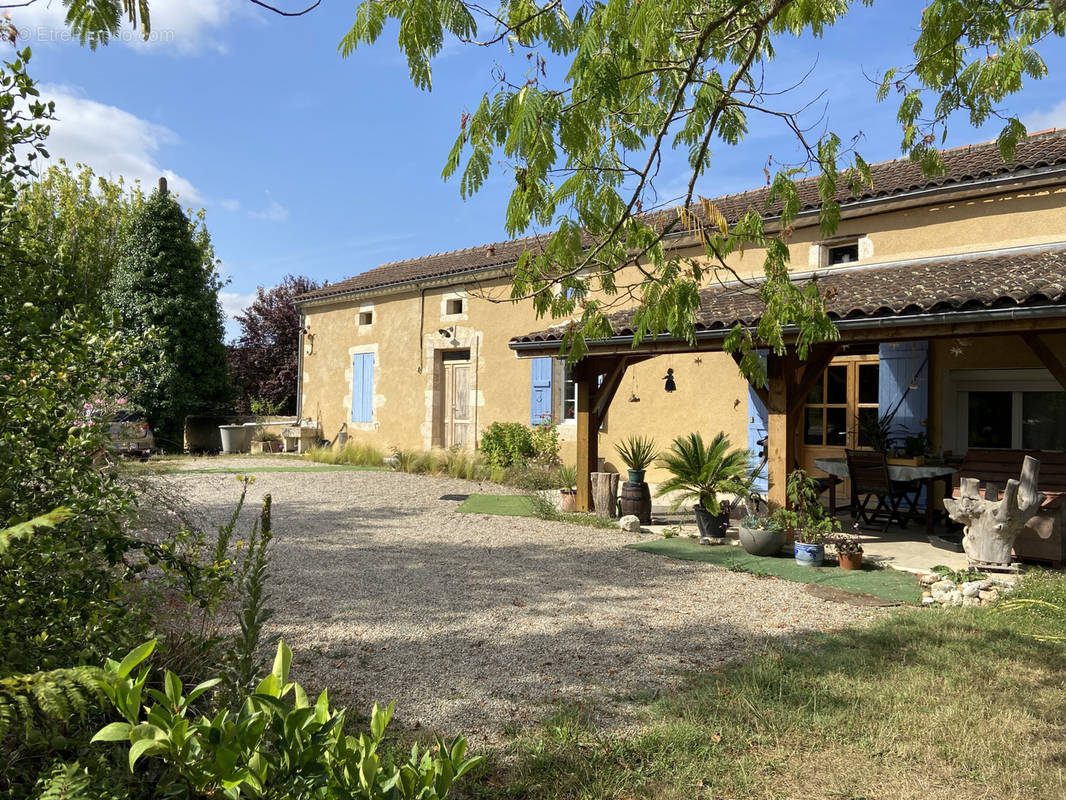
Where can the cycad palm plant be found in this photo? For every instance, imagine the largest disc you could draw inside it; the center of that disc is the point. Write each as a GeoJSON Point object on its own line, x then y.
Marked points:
{"type": "Point", "coordinates": [700, 472]}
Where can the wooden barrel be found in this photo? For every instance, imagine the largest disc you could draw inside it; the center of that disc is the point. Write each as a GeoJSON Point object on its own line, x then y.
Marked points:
{"type": "Point", "coordinates": [636, 500]}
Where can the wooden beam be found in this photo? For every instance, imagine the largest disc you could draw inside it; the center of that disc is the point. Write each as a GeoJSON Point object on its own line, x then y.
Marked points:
{"type": "Point", "coordinates": [1047, 357]}
{"type": "Point", "coordinates": [588, 435]}
{"type": "Point", "coordinates": [760, 391]}
{"type": "Point", "coordinates": [606, 390]}
{"type": "Point", "coordinates": [817, 360]}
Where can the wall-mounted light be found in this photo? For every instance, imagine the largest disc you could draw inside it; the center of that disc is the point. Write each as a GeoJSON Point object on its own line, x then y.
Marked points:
{"type": "Point", "coordinates": [309, 341]}
{"type": "Point", "coordinates": [447, 333]}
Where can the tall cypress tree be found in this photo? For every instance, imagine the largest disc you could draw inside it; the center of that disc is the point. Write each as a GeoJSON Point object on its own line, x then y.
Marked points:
{"type": "Point", "coordinates": [165, 289]}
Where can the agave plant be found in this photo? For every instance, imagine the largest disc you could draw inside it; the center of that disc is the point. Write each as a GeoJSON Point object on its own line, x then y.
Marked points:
{"type": "Point", "coordinates": [637, 452]}
{"type": "Point", "coordinates": [568, 476]}
{"type": "Point", "coordinates": [700, 472]}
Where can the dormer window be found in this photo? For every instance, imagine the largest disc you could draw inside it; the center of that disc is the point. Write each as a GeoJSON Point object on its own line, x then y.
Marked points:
{"type": "Point", "coordinates": [845, 253]}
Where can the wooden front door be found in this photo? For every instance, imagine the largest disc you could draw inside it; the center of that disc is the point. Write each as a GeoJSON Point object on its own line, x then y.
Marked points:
{"type": "Point", "coordinates": [458, 419]}
{"type": "Point", "coordinates": [846, 394]}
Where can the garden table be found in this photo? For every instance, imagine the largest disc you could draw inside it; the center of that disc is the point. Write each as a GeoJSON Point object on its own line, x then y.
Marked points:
{"type": "Point", "coordinates": [929, 474]}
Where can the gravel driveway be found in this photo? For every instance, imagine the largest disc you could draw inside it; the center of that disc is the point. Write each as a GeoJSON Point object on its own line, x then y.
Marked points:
{"type": "Point", "coordinates": [477, 623]}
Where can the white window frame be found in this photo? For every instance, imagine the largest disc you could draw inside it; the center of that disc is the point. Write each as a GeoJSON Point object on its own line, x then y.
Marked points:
{"type": "Point", "coordinates": [959, 383]}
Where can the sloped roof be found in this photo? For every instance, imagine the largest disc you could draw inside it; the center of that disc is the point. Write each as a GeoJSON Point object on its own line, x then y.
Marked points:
{"type": "Point", "coordinates": [890, 178]}
{"type": "Point", "coordinates": [1015, 277]}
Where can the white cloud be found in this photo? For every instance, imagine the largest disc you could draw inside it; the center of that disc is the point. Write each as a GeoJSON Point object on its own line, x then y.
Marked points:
{"type": "Point", "coordinates": [1055, 117]}
{"type": "Point", "coordinates": [275, 212]}
{"type": "Point", "coordinates": [111, 141]}
{"type": "Point", "coordinates": [182, 26]}
{"type": "Point", "coordinates": [233, 303]}
{"type": "Point", "coordinates": [230, 205]}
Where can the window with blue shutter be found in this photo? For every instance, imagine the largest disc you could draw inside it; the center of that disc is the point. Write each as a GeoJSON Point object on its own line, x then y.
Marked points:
{"type": "Point", "coordinates": [758, 428]}
{"type": "Point", "coordinates": [540, 389]}
{"type": "Point", "coordinates": [363, 387]}
{"type": "Point", "coordinates": [903, 385]}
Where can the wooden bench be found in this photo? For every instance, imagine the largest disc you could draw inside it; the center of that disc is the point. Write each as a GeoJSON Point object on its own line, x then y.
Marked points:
{"type": "Point", "coordinates": [1041, 539]}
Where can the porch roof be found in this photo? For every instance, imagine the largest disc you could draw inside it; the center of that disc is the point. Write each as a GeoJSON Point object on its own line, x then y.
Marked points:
{"type": "Point", "coordinates": [917, 290]}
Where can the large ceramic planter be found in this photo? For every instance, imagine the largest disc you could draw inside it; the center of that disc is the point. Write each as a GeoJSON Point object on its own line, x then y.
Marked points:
{"type": "Point", "coordinates": [850, 560]}
{"type": "Point", "coordinates": [567, 500]}
{"type": "Point", "coordinates": [709, 525]}
{"type": "Point", "coordinates": [809, 555]}
{"type": "Point", "coordinates": [235, 438]}
{"type": "Point", "coordinates": [759, 542]}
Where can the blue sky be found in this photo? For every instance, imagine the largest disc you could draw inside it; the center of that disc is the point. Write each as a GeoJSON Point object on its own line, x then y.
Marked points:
{"type": "Point", "coordinates": [309, 163]}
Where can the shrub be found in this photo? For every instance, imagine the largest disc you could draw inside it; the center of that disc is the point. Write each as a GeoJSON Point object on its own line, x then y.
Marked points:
{"type": "Point", "coordinates": [353, 453]}
{"type": "Point", "coordinates": [506, 444]}
{"type": "Point", "coordinates": [279, 744]}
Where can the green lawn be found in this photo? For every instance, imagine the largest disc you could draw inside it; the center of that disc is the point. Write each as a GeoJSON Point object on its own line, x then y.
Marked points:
{"type": "Point", "coordinates": [887, 584]}
{"type": "Point", "coordinates": [926, 704]}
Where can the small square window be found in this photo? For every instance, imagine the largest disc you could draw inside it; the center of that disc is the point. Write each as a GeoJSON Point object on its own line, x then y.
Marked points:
{"type": "Point", "coordinates": [454, 306]}
{"type": "Point", "coordinates": [842, 254]}
{"type": "Point", "coordinates": [366, 317]}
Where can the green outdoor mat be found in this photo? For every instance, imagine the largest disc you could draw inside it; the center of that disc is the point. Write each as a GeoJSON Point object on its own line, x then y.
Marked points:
{"type": "Point", "coordinates": [508, 505]}
{"type": "Point", "coordinates": [887, 584]}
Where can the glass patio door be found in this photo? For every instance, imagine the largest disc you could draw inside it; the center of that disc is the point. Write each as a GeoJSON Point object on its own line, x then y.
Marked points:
{"type": "Point", "coordinates": [845, 395]}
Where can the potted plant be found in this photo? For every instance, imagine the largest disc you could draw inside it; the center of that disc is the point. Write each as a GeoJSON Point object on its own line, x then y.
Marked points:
{"type": "Point", "coordinates": [638, 453]}
{"type": "Point", "coordinates": [810, 522]}
{"type": "Point", "coordinates": [568, 492]}
{"type": "Point", "coordinates": [849, 551]}
{"type": "Point", "coordinates": [700, 472]}
{"type": "Point", "coordinates": [761, 535]}
{"type": "Point", "coordinates": [264, 441]}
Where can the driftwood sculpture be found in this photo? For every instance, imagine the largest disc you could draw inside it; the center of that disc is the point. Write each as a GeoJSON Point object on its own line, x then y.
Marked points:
{"type": "Point", "coordinates": [993, 523]}
{"type": "Point", "coordinates": [605, 493]}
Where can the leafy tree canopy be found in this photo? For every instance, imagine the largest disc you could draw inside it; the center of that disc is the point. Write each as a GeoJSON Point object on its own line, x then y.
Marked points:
{"type": "Point", "coordinates": [163, 282]}
{"type": "Point", "coordinates": [265, 359]}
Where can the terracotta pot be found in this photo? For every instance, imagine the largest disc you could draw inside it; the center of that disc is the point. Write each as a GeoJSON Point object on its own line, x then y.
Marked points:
{"type": "Point", "coordinates": [567, 500]}
{"type": "Point", "coordinates": [850, 560]}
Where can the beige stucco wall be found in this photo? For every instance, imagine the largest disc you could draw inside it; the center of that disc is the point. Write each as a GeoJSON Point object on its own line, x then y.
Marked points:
{"type": "Point", "coordinates": [711, 396]}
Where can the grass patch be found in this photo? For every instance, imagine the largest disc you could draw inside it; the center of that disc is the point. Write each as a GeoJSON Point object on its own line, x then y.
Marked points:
{"type": "Point", "coordinates": [526, 505]}
{"type": "Point", "coordinates": [926, 703]}
{"type": "Point", "coordinates": [887, 584]}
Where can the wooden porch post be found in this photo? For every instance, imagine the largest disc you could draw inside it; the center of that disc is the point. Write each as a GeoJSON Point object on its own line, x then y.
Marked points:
{"type": "Point", "coordinates": [780, 445]}
{"type": "Point", "coordinates": [588, 436]}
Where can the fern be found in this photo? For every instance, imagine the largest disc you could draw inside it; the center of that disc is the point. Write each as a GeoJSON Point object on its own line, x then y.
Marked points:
{"type": "Point", "coordinates": [59, 695]}
{"type": "Point", "coordinates": [66, 782]}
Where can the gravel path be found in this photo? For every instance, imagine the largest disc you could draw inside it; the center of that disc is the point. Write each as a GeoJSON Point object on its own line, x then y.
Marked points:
{"type": "Point", "coordinates": [477, 623]}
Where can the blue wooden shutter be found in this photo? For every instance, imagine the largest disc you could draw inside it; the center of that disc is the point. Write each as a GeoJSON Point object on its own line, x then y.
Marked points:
{"type": "Point", "coordinates": [758, 427]}
{"type": "Point", "coordinates": [363, 387]}
{"type": "Point", "coordinates": [904, 364]}
{"type": "Point", "coordinates": [540, 389]}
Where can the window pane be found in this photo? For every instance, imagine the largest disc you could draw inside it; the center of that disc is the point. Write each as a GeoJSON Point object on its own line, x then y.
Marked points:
{"type": "Point", "coordinates": [868, 382]}
{"type": "Point", "coordinates": [867, 417]}
{"type": "Point", "coordinates": [812, 426]}
{"type": "Point", "coordinates": [836, 427]}
{"type": "Point", "coordinates": [818, 392]}
{"type": "Point", "coordinates": [1044, 420]}
{"type": "Point", "coordinates": [843, 254]}
{"type": "Point", "coordinates": [989, 419]}
{"type": "Point", "coordinates": [837, 384]}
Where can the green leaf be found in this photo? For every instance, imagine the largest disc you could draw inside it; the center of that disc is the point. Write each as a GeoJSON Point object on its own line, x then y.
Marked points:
{"type": "Point", "coordinates": [282, 661]}
{"type": "Point", "coordinates": [114, 732]}
{"type": "Point", "coordinates": [141, 747]}
{"type": "Point", "coordinates": [135, 657]}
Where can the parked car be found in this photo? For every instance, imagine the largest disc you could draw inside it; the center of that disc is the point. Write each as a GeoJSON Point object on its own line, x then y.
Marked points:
{"type": "Point", "coordinates": [130, 432]}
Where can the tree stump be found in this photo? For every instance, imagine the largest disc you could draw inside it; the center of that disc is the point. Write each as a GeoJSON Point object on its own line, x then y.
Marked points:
{"type": "Point", "coordinates": [993, 523]}
{"type": "Point", "coordinates": [605, 493]}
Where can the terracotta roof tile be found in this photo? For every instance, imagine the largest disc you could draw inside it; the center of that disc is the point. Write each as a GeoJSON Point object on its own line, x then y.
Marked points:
{"type": "Point", "coordinates": [1028, 276]}
{"type": "Point", "coordinates": [890, 178]}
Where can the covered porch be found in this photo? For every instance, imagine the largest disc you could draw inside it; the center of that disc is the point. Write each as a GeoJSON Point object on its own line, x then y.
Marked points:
{"type": "Point", "coordinates": [897, 326]}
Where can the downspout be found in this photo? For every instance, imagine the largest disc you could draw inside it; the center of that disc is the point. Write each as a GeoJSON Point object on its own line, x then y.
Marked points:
{"type": "Point", "coordinates": [421, 327]}
{"type": "Point", "coordinates": [300, 368]}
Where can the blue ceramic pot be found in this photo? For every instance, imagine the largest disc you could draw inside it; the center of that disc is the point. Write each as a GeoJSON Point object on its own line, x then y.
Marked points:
{"type": "Point", "coordinates": [809, 555]}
